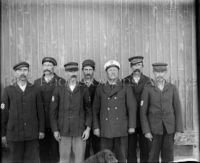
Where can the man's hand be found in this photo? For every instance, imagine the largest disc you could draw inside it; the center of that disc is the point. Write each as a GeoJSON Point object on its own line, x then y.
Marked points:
{"type": "Point", "coordinates": [131, 130]}
{"type": "Point", "coordinates": [97, 132]}
{"type": "Point", "coordinates": [57, 135]}
{"type": "Point", "coordinates": [86, 134]}
{"type": "Point", "coordinates": [4, 142]}
{"type": "Point", "coordinates": [149, 136]}
{"type": "Point", "coordinates": [41, 135]}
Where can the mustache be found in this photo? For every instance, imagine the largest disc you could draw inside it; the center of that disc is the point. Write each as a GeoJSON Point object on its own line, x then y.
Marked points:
{"type": "Point", "coordinates": [88, 75]}
{"type": "Point", "coordinates": [137, 70]}
{"type": "Point", "coordinates": [46, 71]}
{"type": "Point", "coordinates": [74, 76]}
{"type": "Point", "coordinates": [22, 76]}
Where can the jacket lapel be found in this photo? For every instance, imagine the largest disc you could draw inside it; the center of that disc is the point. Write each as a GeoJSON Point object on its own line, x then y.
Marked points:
{"type": "Point", "coordinates": [110, 92]}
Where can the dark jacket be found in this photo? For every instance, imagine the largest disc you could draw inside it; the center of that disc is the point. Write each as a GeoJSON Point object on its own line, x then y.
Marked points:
{"type": "Point", "coordinates": [160, 108]}
{"type": "Point", "coordinates": [70, 112]}
{"type": "Point", "coordinates": [46, 94]}
{"type": "Point", "coordinates": [114, 110]}
{"type": "Point", "coordinates": [22, 113]}
{"type": "Point", "coordinates": [137, 90]}
{"type": "Point", "coordinates": [91, 88]}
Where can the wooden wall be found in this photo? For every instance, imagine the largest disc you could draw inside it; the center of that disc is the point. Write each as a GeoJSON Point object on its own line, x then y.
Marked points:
{"type": "Point", "coordinates": [74, 30]}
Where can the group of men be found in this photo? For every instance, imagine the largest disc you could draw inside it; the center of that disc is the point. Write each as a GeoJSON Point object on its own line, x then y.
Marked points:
{"type": "Point", "coordinates": [67, 120]}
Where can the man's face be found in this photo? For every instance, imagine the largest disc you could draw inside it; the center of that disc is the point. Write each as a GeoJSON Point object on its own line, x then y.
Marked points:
{"type": "Point", "coordinates": [48, 68]}
{"type": "Point", "coordinates": [88, 72]}
{"type": "Point", "coordinates": [159, 76]}
{"type": "Point", "coordinates": [71, 75]}
{"type": "Point", "coordinates": [22, 73]}
{"type": "Point", "coordinates": [112, 73]}
{"type": "Point", "coordinates": [137, 68]}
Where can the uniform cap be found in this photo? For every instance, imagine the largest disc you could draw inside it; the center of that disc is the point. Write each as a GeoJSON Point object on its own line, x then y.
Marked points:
{"type": "Point", "coordinates": [111, 63]}
{"type": "Point", "coordinates": [20, 65]}
{"type": "Point", "coordinates": [71, 66]}
{"type": "Point", "coordinates": [49, 59]}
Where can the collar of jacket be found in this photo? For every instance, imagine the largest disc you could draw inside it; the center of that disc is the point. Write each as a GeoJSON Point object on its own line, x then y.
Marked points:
{"type": "Point", "coordinates": [19, 89]}
{"type": "Point", "coordinates": [110, 92]}
{"type": "Point", "coordinates": [94, 82]}
{"type": "Point", "coordinates": [55, 77]}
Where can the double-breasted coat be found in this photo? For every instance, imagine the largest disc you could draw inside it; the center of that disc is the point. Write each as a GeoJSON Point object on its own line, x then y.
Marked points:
{"type": "Point", "coordinates": [22, 113]}
{"type": "Point", "coordinates": [70, 111]}
{"type": "Point", "coordinates": [160, 108]}
{"type": "Point", "coordinates": [114, 110]}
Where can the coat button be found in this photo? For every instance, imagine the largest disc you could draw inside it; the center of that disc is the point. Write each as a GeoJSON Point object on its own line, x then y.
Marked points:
{"type": "Point", "coordinates": [25, 124]}
{"type": "Point", "coordinates": [108, 108]}
{"type": "Point", "coordinates": [117, 118]}
{"type": "Point", "coordinates": [115, 98]}
{"type": "Point", "coordinates": [108, 98]}
{"type": "Point", "coordinates": [116, 108]}
{"type": "Point", "coordinates": [106, 119]}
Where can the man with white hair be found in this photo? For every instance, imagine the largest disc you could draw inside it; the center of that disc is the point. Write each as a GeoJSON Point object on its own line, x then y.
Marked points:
{"type": "Point", "coordinates": [114, 112]}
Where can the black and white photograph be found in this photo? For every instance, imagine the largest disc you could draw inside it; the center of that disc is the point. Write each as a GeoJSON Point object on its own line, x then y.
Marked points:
{"type": "Point", "coordinates": [100, 81]}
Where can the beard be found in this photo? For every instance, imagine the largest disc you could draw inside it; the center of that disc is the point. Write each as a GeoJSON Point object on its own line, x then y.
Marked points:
{"type": "Point", "coordinates": [88, 76]}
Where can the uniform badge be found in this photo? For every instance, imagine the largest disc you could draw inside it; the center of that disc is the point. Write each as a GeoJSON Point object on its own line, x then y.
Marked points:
{"type": "Point", "coordinates": [2, 106]}
{"type": "Point", "coordinates": [141, 103]}
{"type": "Point", "coordinates": [53, 99]}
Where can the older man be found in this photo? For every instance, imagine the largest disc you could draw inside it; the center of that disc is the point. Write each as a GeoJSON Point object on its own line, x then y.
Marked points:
{"type": "Point", "coordinates": [114, 112]}
{"type": "Point", "coordinates": [71, 116]}
{"type": "Point", "coordinates": [137, 80]}
{"type": "Point", "coordinates": [160, 115]}
{"type": "Point", "coordinates": [49, 150]}
{"type": "Point", "coordinates": [22, 120]}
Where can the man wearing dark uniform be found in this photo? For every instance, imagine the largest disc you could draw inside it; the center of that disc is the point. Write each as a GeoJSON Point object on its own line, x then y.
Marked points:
{"type": "Point", "coordinates": [22, 120]}
{"type": "Point", "coordinates": [71, 116]}
{"type": "Point", "coordinates": [160, 115]}
{"type": "Point", "coordinates": [49, 151]}
{"type": "Point", "coordinates": [114, 112]}
{"type": "Point", "coordinates": [137, 81]}
{"type": "Point", "coordinates": [88, 68]}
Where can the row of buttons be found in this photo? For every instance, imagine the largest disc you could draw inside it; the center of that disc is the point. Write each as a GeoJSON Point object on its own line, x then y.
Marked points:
{"type": "Point", "coordinates": [114, 98]}
{"type": "Point", "coordinates": [116, 118]}
{"type": "Point", "coordinates": [115, 108]}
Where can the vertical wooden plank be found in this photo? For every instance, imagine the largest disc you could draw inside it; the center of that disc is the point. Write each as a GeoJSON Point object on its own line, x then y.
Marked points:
{"type": "Point", "coordinates": [82, 31]}
{"type": "Point", "coordinates": [54, 32]}
{"type": "Point", "coordinates": [110, 28]}
{"type": "Point", "coordinates": [181, 61]}
{"type": "Point", "coordinates": [125, 39]}
{"type": "Point", "coordinates": [5, 43]}
{"type": "Point", "coordinates": [117, 37]}
{"type": "Point", "coordinates": [153, 46]}
{"type": "Point", "coordinates": [146, 38]}
{"type": "Point", "coordinates": [96, 35]}
{"type": "Point", "coordinates": [131, 22]}
{"type": "Point", "coordinates": [20, 32]}
{"type": "Point", "coordinates": [41, 36]}
{"type": "Point", "coordinates": [159, 31]}
{"type": "Point", "coordinates": [188, 64]}
{"type": "Point", "coordinates": [34, 39]}
{"type": "Point", "coordinates": [27, 32]}
{"type": "Point", "coordinates": [61, 37]}
{"type": "Point", "coordinates": [166, 33]}
{"type": "Point", "coordinates": [103, 37]}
